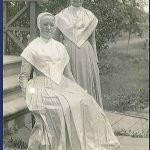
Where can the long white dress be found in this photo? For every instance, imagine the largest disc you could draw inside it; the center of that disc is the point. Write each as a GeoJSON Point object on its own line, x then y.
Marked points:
{"type": "Point", "coordinates": [77, 27]}
{"type": "Point", "coordinates": [67, 118]}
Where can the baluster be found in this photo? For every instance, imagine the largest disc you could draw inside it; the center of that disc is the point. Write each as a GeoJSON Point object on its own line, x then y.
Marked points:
{"type": "Point", "coordinates": [4, 29]}
{"type": "Point", "coordinates": [32, 20]}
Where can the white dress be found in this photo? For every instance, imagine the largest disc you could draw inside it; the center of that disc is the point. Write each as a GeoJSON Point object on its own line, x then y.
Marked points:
{"type": "Point", "coordinates": [67, 118]}
{"type": "Point", "coordinates": [79, 39]}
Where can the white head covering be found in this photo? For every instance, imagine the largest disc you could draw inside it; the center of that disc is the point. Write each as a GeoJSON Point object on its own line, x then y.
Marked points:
{"type": "Point", "coordinates": [40, 17]}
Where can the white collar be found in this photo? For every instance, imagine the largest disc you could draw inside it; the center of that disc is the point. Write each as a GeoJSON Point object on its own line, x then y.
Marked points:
{"type": "Point", "coordinates": [75, 9]}
{"type": "Point", "coordinates": [48, 59]}
{"type": "Point", "coordinates": [45, 40]}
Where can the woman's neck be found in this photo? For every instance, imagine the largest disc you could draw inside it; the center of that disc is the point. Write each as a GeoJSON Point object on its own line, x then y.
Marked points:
{"type": "Point", "coordinates": [45, 39]}
{"type": "Point", "coordinates": [73, 8]}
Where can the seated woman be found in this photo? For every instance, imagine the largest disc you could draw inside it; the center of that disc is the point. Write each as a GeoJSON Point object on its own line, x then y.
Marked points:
{"type": "Point", "coordinates": [67, 118]}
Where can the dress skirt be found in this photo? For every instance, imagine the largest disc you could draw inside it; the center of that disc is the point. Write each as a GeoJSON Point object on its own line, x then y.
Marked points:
{"type": "Point", "coordinates": [84, 68]}
{"type": "Point", "coordinates": [67, 118]}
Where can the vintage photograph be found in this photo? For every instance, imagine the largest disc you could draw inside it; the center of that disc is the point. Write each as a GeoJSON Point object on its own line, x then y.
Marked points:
{"type": "Point", "coordinates": [75, 74]}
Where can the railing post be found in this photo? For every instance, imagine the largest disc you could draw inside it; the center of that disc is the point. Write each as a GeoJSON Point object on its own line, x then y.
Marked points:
{"type": "Point", "coordinates": [32, 34]}
{"type": "Point", "coordinates": [4, 30]}
{"type": "Point", "coordinates": [32, 20]}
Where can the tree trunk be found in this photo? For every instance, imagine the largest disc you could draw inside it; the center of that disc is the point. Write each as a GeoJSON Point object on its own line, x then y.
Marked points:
{"type": "Point", "coordinates": [129, 37]}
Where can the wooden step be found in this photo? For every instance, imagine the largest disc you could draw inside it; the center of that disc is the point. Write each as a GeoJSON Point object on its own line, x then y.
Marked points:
{"type": "Point", "coordinates": [11, 96]}
{"type": "Point", "coordinates": [15, 114]}
{"type": "Point", "coordinates": [14, 108]}
{"type": "Point", "coordinates": [11, 88]}
{"type": "Point", "coordinates": [11, 65]}
{"type": "Point", "coordinates": [10, 83]}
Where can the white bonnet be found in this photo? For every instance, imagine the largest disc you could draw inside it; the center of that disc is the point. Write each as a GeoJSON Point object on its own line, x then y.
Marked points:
{"type": "Point", "coordinates": [40, 16]}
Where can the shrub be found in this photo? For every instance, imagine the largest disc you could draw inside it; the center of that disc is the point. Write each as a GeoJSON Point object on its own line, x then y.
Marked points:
{"type": "Point", "coordinates": [132, 101]}
{"type": "Point", "coordinates": [135, 134]}
{"type": "Point", "coordinates": [13, 142]}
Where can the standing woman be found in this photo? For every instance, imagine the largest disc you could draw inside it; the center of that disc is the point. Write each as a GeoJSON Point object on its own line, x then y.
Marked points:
{"type": "Point", "coordinates": [77, 27]}
{"type": "Point", "coordinates": [66, 117]}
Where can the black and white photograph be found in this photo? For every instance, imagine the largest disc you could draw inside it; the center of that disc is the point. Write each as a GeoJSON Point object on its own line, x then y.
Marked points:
{"type": "Point", "coordinates": [75, 74]}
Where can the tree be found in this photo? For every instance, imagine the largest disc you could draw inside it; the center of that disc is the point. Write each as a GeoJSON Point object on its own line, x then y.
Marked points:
{"type": "Point", "coordinates": [134, 17]}
{"type": "Point", "coordinates": [110, 16]}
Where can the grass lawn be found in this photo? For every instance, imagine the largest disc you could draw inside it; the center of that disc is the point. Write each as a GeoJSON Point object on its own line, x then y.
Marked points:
{"type": "Point", "coordinates": [126, 83]}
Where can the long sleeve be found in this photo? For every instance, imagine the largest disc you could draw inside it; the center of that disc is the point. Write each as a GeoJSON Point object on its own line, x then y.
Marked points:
{"type": "Point", "coordinates": [24, 76]}
{"type": "Point", "coordinates": [93, 43]}
{"type": "Point", "coordinates": [68, 73]}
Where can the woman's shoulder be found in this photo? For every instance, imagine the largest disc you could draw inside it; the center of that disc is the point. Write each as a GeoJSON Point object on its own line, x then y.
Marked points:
{"type": "Point", "coordinates": [88, 11]}
{"type": "Point", "coordinates": [32, 45]}
{"type": "Point", "coordinates": [62, 12]}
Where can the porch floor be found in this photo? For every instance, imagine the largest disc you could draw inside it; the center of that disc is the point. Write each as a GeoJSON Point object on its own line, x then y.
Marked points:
{"type": "Point", "coordinates": [118, 122]}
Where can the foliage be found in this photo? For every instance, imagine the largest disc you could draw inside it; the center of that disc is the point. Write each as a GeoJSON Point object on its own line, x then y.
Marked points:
{"type": "Point", "coordinates": [15, 143]}
{"type": "Point", "coordinates": [126, 76]}
{"type": "Point", "coordinates": [11, 141]}
{"type": "Point", "coordinates": [135, 101]}
{"type": "Point", "coordinates": [110, 16]}
{"type": "Point", "coordinates": [134, 17]}
{"type": "Point", "coordinates": [135, 134]}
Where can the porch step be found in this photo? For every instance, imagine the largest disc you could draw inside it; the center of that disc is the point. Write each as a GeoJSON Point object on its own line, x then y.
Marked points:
{"type": "Point", "coordinates": [10, 83]}
{"type": "Point", "coordinates": [15, 108]}
{"type": "Point", "coordinates": [11, 88]}
{"type": "Point", "coordinates": [11, 65]}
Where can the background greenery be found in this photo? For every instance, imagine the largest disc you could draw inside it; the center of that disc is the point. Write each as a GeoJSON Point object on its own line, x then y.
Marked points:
{"type": "Point", "coordinates": [124, 65]}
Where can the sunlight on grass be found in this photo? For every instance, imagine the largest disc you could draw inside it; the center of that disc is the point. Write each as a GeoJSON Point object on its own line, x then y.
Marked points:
{"type": "Point", "coordinates": [128, 76]}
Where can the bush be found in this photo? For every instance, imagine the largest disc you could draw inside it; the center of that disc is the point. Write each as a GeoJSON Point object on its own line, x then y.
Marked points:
{"type": "Point", "coordinates": [132, 101]}
{"type": "Point", "coordinates": [134, 134]}
{"type": "Point", "coordinates": [10, 141]}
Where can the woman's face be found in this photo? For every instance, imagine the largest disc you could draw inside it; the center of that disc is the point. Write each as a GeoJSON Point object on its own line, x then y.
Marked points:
{"type": "Point", "coordinates": [76, 3]}
{"type": "Point", "coordinates": [47, 24]}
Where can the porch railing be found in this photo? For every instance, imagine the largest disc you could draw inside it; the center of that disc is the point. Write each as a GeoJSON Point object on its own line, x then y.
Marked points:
{"type": "Point", "coordinates": [10, 27]}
